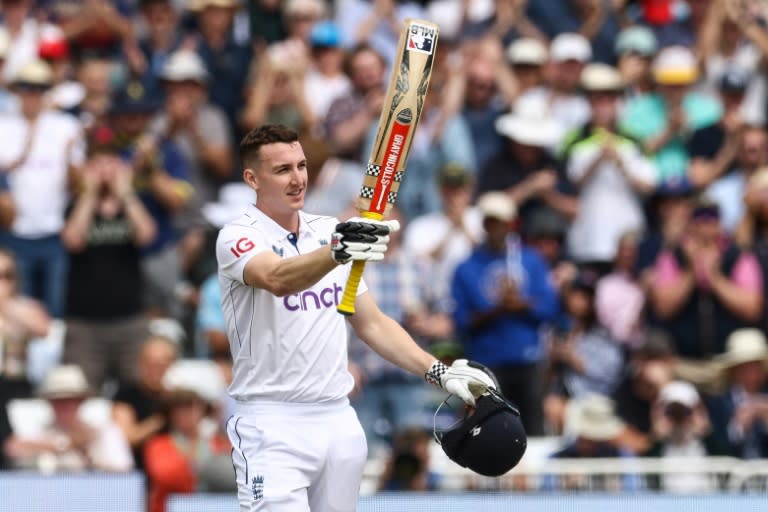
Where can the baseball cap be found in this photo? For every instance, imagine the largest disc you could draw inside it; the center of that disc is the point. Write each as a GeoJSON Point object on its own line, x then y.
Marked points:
{"type": "Point", "coordinates": [453, 175]}
{"type": "Point", "coordinates": [527, 50]}
{"type": "Point", "coordinates": [637, 39]}
{"type": "Point", "coordinates": [679, 392]}
{"type": "Point", "coordinates": [134, 100]}
{"type": "Point", "coordinates": [601, 77]}
{"type": "Point", "coordinates": [497, 205]}
{"type": "Point", "coordinates": [674, 188]}
{"type": "Point", "coordinates": [734, 80]}
{"type": "Point", "coordinates": [675, 65]}
{"type": "Point", "coordinates": [325, 34]}
{"type": "Point", "coordinates": [570, 46]}
{"type": "Point", "coordinates": [52, 43]}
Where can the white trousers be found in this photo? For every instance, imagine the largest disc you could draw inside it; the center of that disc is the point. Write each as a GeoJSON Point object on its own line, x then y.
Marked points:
{"type": "Point", "coordinates": [297, 457]}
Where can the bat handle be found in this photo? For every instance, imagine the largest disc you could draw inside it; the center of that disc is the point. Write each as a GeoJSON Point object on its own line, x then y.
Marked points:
{"type": "Point", "coordinates": [347, 306]}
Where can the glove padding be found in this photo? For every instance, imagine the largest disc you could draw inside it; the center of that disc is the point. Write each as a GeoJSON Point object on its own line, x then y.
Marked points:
{"type": "Point", "coordinates": [361, 239]}
{"type": "Point", "coordinates": [460, 379]}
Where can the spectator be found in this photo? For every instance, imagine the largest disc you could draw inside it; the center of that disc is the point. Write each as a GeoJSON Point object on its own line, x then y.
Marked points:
{"type": "Point", "coordinates": [21, 320]}
{"type": "Point", "coordinates": [226, 60]}
{"type": "Point", "coordinates": [506, 22]}
{"type": "Point", "coordinates": [568, 54]}
{"type": "Point", "coordinates": [95, 75]}
{"type": "Point", "coordinates": [23, 30]}
{"type": "Point", "coordinates": [545, 232]}
{"type": "Point", "coordinates": [739, 414]}
{"type": "Point", "coordinates": [137, 405]}
{"type": "Point", "coordinates": [106, 228]}
{"type": "Point", "coordinates": [40, 155]}
{"type": "Point", "coordinates": [703, 289]}
{"type": "Point", "coordinates": [148, 56]}
{"type": "Point", "coordinates": [376, 24]}
{"type": "Point", "coordinates": [441, 240]}
{"type": "Point", "coordinates": [523, 168]}
{"type": "Point", "coordinates": [481, 107]}
{"type": "Point", "coordinates": [750, 153]}
{"type": "Point", "coordinates": [502, 296]}
{"type": "Point", "coordinates": [635, 48]}
{"type": "Point", "coordinates": [66, 93]}
{"type": "Point", "coordinates": [610, 172]}
{"type": "Point", "coordinates": [620, 295]}
{"type": "Point", "coordinates": [94, 26]}
{"type": "Point", "coordinates": [68, 444]}
{"type": "Point", "coordinates": [682, 430]}
{"type": "Point", "coordinates": [650, 366]}
{"type": "Point", "coordinates": [596, 20]}
{"type": "Point", "coordinates": [325, 80]}
{"type": "Point", "coordinates": [300, 17]}
{"type": "Point", "coordinates": [584, 360]}
{"type": "Point", "coordinates": [178, 461]}
{"type": "Point", "coordinates": [161, 179]}
{"type": "Point", "coordinates": [408, 466]}
{"type": "Point", "coordinates": [198, 129]}
{"type": "Point", "coordinates": [350, 117]}
{"type": "Point", "coordinates": [663, 121]}
{"type": "Point", "coordinates": [527, 58]}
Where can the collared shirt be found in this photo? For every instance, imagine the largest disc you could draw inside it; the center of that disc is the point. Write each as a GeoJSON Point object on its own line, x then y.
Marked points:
{"type": "Point", "coordinates": [285, 349]}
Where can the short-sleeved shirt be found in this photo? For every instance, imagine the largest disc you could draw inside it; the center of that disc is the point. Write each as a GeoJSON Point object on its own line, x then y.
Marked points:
{"type": "Point", "coordinates": [291, 348]}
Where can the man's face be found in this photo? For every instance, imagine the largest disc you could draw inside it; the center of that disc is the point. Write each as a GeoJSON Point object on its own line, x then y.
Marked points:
{"type": "Point", "coordinates": [367, 71]}
{"type": "Point", "coordinates": [216, 19]}
{"type": "Point", "coordinates": [160, 17]}
{"type": "Point", "coordinates": [754, 149]}
{"type": "Point", "coordinates": [603, 105]}
{"type": "Point", "coordinates": [480, 88]}
{"type": "Point", "coordinates": [707, 232]}
{"type": "Point", "coordinates": [673, 94]}
{"type": "Point", "coordinates": [566, 74]}
{"type": "Point", "coordinates": [279, 178]}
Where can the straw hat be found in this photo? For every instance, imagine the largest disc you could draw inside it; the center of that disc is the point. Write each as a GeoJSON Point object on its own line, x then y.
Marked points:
{"type": "Point", "coordinates": [530, 123]}
{"type": "Point", "coordinates": [598, 77]}
{"type": "Point", "coordinates": [36, 72]}
{"type": "Point", "coordinates": [528, 51]}
{"type": "Point", "coordinates": [65, 381]}
{"type": "Point", "coordinates": [592, 417]}
{"type": "Point", "coordinates": [744, 346]}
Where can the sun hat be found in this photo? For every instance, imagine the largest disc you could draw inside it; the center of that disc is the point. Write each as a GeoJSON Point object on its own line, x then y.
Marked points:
{"type": "Point", "coordinates": [184, 65]}
{"type": "Point", "coordinates": [530, 123]}
{"type": "Point", "coordinates": [570, 46]}
{"type": "Point", "coordinates": [65, 381]}
{"type": "Point", "coordinates": [497, 205]}
{"type": "Point", "coordinates": [199, 5]}
{"type": "Point", "coordinates": [592, 417]}
{"type": "Point", "coordinates": [601, 78]}
{"type": "Point", "coordinates": [744, 346]}
{"type": "Point", "coordinates": [36, 73]}
{"type": "Point", "coordinates": [234, 198]}
{"type": "Point", "coordinates": [675, 65]}
{"type": "Point", "coordinates": [528, 51]}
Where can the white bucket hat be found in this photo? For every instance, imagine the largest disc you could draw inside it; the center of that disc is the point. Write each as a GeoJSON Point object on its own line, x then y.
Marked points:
{"type": "Point", "coordinates": [744, 346]}
{"type": "Point", "coordinates": [530, 123]}
{"type": "Point", "coordinates": [592, 417]}
{"type": "Point", "coordinates": [184, 65]}
{"type": "Point", "coordinates": [234, 198]}
{"type": "Point", "coordinates": [679, 392]}
{"type": "Point", "coordinates": [65, 381]}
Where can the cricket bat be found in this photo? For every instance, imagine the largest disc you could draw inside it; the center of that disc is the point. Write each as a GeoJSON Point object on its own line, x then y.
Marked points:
{"type": "Point", "coordinates": [403, 104]}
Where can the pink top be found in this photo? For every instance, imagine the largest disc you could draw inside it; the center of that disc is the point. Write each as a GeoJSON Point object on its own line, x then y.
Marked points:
{"type": "Point", "coordinates": [746, 273]}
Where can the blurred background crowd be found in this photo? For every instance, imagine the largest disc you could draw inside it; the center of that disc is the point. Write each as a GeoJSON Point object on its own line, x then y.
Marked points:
{"type": "Point", "coordinates": [585, 212]}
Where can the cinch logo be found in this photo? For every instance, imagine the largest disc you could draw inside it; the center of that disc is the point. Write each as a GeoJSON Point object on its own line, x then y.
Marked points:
{"type": "Point", "coordinates": [309, 300]}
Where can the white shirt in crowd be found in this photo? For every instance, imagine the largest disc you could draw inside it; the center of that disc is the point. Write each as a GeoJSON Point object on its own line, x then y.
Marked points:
{"type": "Point", "coordinates": [39, 183]}
{"type": "Point", "coordinates": [609, 206]}
{"type": "Point", "coordinates": [285, 349]}
{"type": "Point", "coordinates": [320, 91]}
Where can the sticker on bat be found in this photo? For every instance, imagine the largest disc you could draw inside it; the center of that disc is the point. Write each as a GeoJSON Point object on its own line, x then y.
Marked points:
{"type": "Point", "coordinates": [421, 39]}
{"type": "Point", "coordinates": [390, 163]}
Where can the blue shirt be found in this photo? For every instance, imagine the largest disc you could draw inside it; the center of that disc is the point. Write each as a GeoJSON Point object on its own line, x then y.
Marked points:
{"type": "Point", "coordinates": [511, 338]}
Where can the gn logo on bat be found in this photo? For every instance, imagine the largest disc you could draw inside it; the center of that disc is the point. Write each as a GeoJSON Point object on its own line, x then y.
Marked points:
{"type": "Point", "coordinates": [421, 39]}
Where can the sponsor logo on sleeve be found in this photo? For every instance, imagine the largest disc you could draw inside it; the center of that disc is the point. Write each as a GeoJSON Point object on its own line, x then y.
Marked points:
{"type": "Point", "coordinates": [242, 246]}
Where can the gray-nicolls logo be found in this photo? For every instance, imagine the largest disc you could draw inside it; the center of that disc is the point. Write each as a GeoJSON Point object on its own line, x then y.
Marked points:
{"type": "Point", "coordinates": [476, 431]}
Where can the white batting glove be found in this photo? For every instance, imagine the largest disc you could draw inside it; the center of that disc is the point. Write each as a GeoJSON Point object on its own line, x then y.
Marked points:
{"type": "Point", "coordinates": [361, 239]}
{"type": "Point", "coordinates": [460, 379]}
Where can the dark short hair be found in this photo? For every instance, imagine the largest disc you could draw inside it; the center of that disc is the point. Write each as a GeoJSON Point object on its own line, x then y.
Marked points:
{"type": "Point", "coordinates": [261, 136]}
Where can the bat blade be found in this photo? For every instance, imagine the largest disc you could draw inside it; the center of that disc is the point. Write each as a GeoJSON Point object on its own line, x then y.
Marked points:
{"type": "Point", "coordinates": [403, 104]}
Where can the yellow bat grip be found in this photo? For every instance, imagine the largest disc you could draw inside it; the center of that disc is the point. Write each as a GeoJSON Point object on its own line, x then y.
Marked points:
{"type": "Point", "coordinates": [347, 306]}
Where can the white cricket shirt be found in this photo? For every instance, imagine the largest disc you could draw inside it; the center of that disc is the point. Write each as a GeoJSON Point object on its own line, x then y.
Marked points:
{"type": "Point", "coordinates": [285, 349]}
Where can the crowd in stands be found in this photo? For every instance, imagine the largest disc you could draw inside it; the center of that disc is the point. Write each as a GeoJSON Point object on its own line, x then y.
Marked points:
{"type": "Point", "coordinates": [585, 212]}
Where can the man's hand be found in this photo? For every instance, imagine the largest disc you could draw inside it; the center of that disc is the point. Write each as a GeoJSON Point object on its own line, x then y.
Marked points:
{"type": "Point", "coordinates": [460, 379]}
{"type": "Point", "coordinates": [361, 239]}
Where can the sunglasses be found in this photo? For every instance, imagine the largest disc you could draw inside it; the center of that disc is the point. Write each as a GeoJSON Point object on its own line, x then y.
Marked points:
{"type": "Point", "coordinates": [27, 87]}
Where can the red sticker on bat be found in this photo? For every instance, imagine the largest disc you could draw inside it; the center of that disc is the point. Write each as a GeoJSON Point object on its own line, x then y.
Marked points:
{"type": "Point", "coordinates": [389, 165]}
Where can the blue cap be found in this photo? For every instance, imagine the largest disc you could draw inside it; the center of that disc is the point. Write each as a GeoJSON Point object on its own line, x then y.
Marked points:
{"type": "Point", "coordinates": [637, 39]}
{"type": "Point", "coordinates": [735, 80]}
{"type": "Point", "coordinates": [674, 188]}
{"type": "Point", "coordinates": [325, 33]}
{"type": "Point", "coordinates": [134, 99]}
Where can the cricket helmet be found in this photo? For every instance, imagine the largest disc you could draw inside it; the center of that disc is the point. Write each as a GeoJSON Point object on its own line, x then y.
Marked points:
{"type": "Point", "coordinates": [490, 439]}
